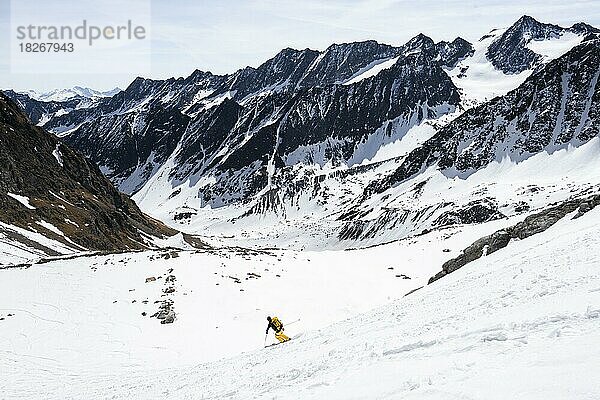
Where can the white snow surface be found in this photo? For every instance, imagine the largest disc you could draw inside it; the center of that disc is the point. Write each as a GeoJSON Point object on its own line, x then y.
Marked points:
{"type": "Point", "coordinates": [521, 323]}
{"type": "Point", "coordinates": [555, 47]}
{"type": "Point", "coordinates": [479, 80]}
{"type": "Point", "coordinates": [21, 199]}
{"type": "Point", "coordinates": [371, 70]}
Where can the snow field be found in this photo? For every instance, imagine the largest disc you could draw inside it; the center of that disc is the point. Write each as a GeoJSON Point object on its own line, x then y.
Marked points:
{"type": "Point", "coordinates": [84, 316]}
{"type": "Point", "coordinates": [521, 323]}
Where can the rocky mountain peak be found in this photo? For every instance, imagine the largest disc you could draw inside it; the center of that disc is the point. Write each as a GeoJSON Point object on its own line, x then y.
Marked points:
{"type": "Point", "coordinates": [528, 24]}
{"type": "Point", "coordinates": [583, 29]}
{"type": "Point", "coordinates": [446, 53]}
{"type": "Point", "coordinates": [510, 53]}
{"type": "Point", "coordinates": [420, 41]}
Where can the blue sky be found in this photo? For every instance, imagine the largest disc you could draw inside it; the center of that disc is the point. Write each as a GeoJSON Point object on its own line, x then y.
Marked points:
{"type": "Point", "coordinates": [223, 36]}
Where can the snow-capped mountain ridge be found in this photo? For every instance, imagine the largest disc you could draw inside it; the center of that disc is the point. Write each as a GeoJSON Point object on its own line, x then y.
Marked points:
{"type": "Point", "coordinates": [510, 52]}
{"type": "Point", "coordinates": [60, 95]}
{"type": "Point", "coordinates": [274, 83]}
{"type": "Point", "coordinates": [526, 121]}
{"type": "Point", "coordinates": [272, 141]}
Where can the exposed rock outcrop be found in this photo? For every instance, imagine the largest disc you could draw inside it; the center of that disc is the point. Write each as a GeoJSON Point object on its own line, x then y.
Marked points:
{"type": "Point", "coordinates": [532, 225]}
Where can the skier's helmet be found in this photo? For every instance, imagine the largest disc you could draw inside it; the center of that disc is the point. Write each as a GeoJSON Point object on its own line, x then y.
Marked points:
{"type": "Point", "coordinates": [269, 319]}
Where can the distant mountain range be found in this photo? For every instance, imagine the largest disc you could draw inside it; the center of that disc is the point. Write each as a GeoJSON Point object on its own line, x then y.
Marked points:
{"type": "Point", "coordinates": [349, 144]}
{"type": "Point", "coordinates": [69, 94]}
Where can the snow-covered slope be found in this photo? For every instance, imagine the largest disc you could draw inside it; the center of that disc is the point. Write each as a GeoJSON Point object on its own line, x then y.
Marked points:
{"type": "Point", "coordinates": [520, 323]}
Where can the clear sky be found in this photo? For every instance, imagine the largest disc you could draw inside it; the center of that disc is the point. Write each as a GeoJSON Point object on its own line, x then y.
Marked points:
{"type": "Point", "coordinates": [222, 36]}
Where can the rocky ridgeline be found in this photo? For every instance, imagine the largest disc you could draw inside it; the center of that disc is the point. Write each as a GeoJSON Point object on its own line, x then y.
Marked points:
{"type": "Point", "coordinates": [531, 225]}
{"type": "Point", "coordinates": [265, 114]}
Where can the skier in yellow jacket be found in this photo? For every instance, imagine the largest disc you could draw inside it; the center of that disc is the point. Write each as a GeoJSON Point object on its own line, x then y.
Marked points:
{"type": "Point", "coordinates": [277, 326]}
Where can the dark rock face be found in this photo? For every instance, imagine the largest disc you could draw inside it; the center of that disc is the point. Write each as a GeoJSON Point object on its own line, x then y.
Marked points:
{"type": "Point", "coordinates": [556, 106]}
{"type": "Point", "coordinates": [286, 70]}
{"type": "Point", "coordinates": [136, 144]}
{"type": "Point", "coordinates": [509, 52]}
{"type": "Point", "coordinates": [65, 190]}
{"type": "Point", "coordinates": [475, 212]}
{"type": "Point", "coordinates": [341, 61]}
{"type": "Point", "coordinates": [448, 54]}
{"type": "Point", "coordinates": [328, 124]}
{"type": "Point", "coordinates": [452, 52]}
{"type": "Point", "coordinates": [533, 224]}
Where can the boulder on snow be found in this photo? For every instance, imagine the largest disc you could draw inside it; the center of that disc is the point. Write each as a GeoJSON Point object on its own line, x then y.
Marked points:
{"type": "Point", "coordinates": [484, 246]}
{"type": "Point", "coordinates": [474, 212]}
{"type": "Point", "coordinates": [169, 319]}
{"type": "Point", "coordinates": [150, 279]}
{"type": "Point", "coordinates": [169, 290]}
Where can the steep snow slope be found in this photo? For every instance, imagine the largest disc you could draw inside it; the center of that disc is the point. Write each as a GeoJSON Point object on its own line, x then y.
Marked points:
{"type": "Point", "coordinates": [19, 246]}
{"type": "Point", "coordinates": [478, 79]}
{"type": "Point", "coordinates": [521, 323]}
{"type": "Point", "coordinates": [371, 70]}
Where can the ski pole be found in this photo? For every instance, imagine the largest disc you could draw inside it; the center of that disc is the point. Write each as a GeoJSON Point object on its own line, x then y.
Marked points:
{"type": "Point", "coordinates": [265, 342]}
{"type": "Point", "coordinates": [293, 322]}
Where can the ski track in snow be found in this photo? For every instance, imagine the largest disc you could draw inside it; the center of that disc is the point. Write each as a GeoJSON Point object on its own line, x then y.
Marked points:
{"type": "Point", "coordinates": [522, 323]}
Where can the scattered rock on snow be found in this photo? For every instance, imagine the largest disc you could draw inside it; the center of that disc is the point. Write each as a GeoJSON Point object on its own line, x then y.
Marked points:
{"type": "Point", "coordinates": [169, 290]}
{"type": "Point", "coordinates": [169, 319]}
